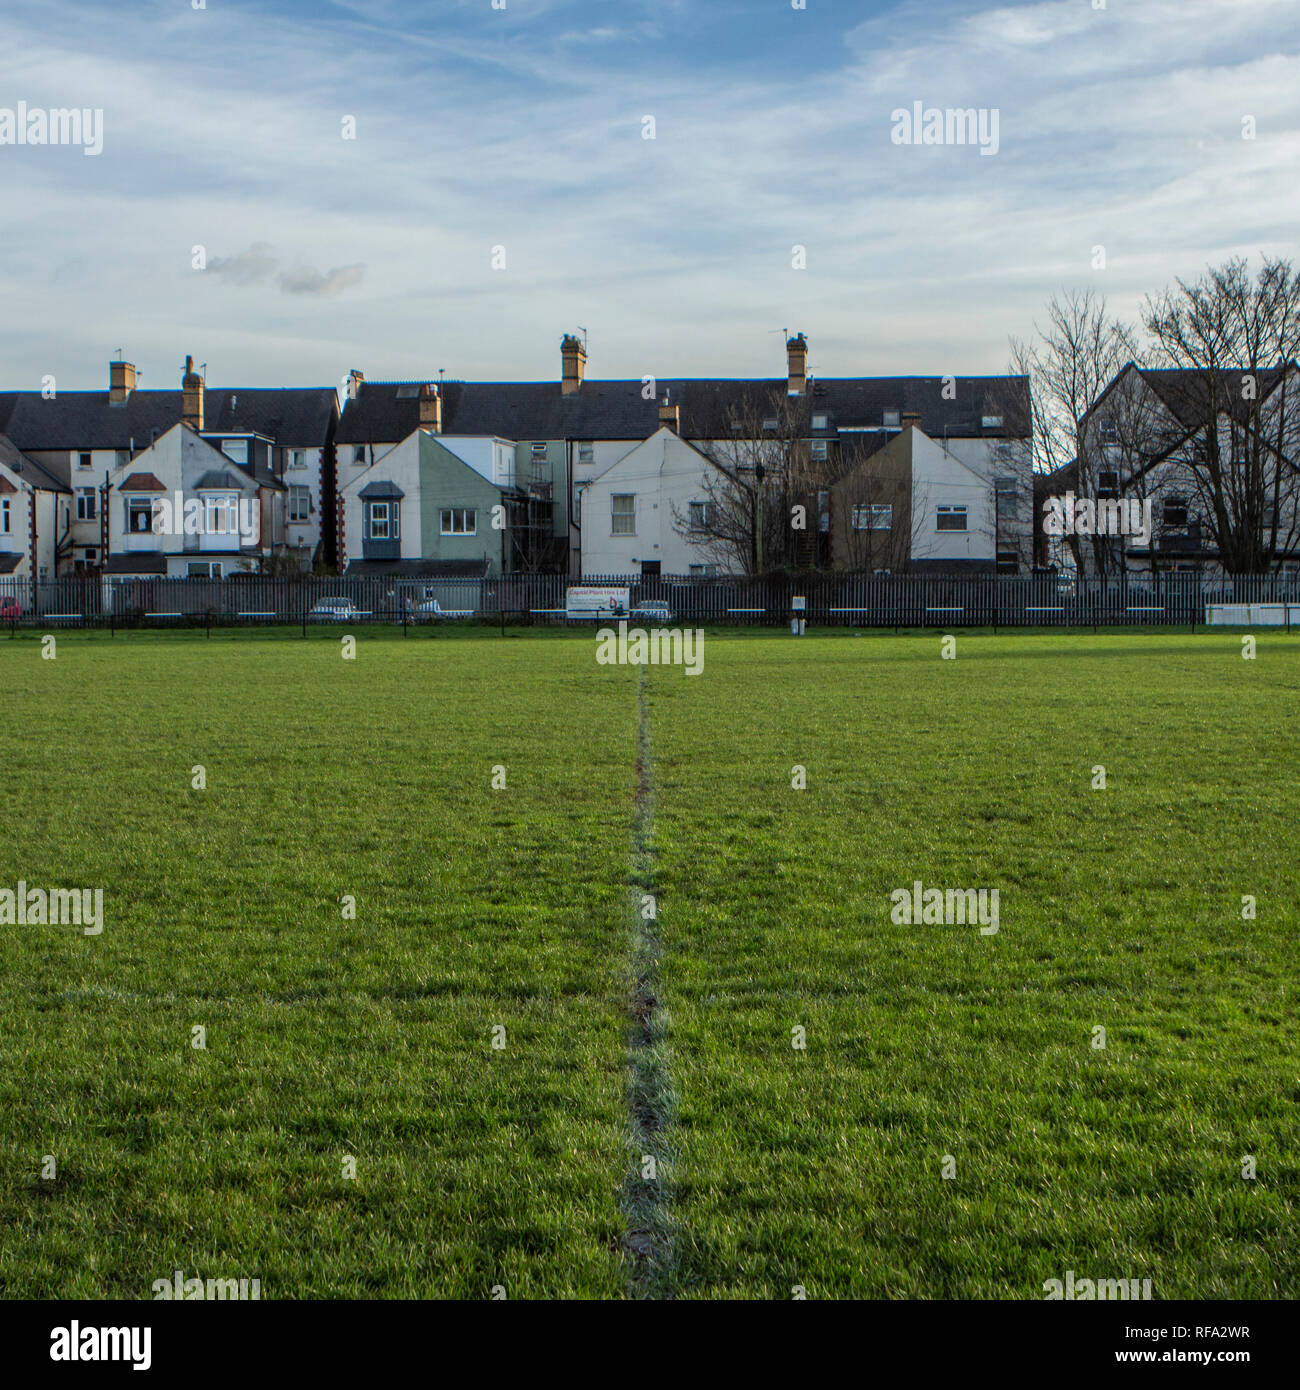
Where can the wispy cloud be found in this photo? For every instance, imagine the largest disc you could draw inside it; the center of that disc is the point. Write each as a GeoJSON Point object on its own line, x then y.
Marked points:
{"type": "Point", "coordinates": [523, 129]}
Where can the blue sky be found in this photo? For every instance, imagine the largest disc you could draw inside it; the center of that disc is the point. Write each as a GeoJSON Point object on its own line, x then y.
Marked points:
{"type": "Point", "coordinates": [523, 128]}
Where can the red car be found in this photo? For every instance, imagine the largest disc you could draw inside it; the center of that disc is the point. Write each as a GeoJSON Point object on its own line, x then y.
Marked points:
{"type": "Point", "coordinates": [10, 610]}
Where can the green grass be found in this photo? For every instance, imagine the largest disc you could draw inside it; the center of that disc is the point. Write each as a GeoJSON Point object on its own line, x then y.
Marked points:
{"type": "Point", "coordinates": [821, 1167]}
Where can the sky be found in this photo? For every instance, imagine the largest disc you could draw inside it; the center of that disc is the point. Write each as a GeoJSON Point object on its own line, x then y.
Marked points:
{"type": "Point", "coordinates": [500, 190]}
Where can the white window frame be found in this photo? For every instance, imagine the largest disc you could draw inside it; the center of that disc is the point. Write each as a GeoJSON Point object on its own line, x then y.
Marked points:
{"type": "Point", "coordinates": [297, 458]}
{"type": "Point", "coordinates": [458, 521]}
{"type": "Point", "coordinates": [616, 516]}
{"type": "Point", "coordinates": [873, 516]}
{"type": "Point", "coordinates": [299, 492]}
{"type": "Point", "coordinates": [702, 524]}
{"type": "Point", "coordinates": [6, 513]}
{"type": "Point", "coordinates": [135, 503]}
{"type": "Point", "coordinates": [374, 521]}
{"type": "Point", "coordinates": [955, 511]}
{"type": "Point", "coordinates": [86, 495]}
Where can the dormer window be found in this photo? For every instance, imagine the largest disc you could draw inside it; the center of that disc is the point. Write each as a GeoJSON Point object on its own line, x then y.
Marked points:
{"type": "Point", "coordinates": [893, 419]}
{"type": "Point", "coordinates": [1107, 484]}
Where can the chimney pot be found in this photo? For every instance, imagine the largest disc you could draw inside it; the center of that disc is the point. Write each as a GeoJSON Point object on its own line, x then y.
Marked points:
{"type": "Point", "coordinates": [573, 357]}
{"type": "Point", "coordinates": [797, 354]}
{"type": "Point", "coordinates": [192, 397]}
{"type": "Point", "coordinates": [121, 381]}
{"type": "Point", "coordinates": [430, 408]}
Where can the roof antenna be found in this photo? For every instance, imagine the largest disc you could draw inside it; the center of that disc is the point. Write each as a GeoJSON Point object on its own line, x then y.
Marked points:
{"type": "Point", "coordinates": [583, 331]}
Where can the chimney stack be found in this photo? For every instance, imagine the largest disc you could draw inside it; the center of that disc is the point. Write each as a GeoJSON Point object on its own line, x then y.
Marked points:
{"type": "Point", "coordinates": [670, 415]}
{"type": "Point", "coordinates": [121, 382]}
{"type": "Point", "coordinates": [356, 380]}
{"type": "Point", "coordinates": [797, 352]}
{"type": "Point", "coordinates": [191, 397]}
{"type": "Point", "coordinates": [910, 419]}
{"type": "Point", "coordinates": [430, 408]}
{"type": "Point", "coordinates": [574, 358]}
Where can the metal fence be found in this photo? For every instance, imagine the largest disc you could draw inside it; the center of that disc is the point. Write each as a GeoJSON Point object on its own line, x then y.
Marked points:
{"type": "Point", "coordinates": [839, 600]}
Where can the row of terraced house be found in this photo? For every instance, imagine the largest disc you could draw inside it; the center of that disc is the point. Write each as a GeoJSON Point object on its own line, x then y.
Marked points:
{"type": "Point", "coordinates": [574, 475]}
{"type": "Point", "coordinates": [577, 476]}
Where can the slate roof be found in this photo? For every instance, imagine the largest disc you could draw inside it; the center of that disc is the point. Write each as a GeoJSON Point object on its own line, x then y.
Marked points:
{"type": "Point", "coordinates": [27, 468]}
{"type": "Point", "coordinates": [221, 479]}
{"type": "Point", "coordinates": [140, 482]}
{"type": "Point", "coordinates": [85, 420]}
{"type": "Point", "coordinates": [527, 410]}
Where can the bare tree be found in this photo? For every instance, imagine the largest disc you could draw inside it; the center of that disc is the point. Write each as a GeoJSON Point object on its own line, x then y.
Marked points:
{"type": "Point", "coordinates": [760, 510]}
{"type": "Point", "coordinates": [1235, 340]}
{"type": "Point", "coordinates": [1070, 364]}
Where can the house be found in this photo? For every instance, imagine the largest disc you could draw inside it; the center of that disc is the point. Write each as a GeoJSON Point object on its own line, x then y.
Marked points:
{"type": "Point", "coordinates": [638, 514]}
{"type": "Point", "coordinates": [35, 512]}
{"type": "Point", "coordinates": [422, 509]}
{"type": "Point", "coordinates": [566, 434]}
{"type": "Point", "coordinates": [1212, 454]}
{"type": "Point", "coordinates": [79, 437]}
{"type": "Point", "coordinates": [183, 509]}
{"type": "Point", "coordinates": [914, 505]}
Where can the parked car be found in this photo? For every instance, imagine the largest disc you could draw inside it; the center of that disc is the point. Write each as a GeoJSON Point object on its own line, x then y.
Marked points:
{"type": "Point", "coordinates": [10, 610]}
{"type": "Point", "coordinates": [334, 610]}
{"type": "Point", "coordinates": [653, 611]}
{"type": "Point", "coordinates": [431, 611]}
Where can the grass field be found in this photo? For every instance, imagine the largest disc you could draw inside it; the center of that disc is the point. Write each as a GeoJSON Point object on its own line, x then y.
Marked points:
{"type": "Point", "coordinates": [330, 1037]}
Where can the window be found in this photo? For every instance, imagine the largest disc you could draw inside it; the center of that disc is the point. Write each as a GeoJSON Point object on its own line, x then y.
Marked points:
{"type": "Point", "coordinates": [699, 516]}
{"type": "Point", "coordinates": [85, 504]}
{"type": "Point", "coordinates": [83, 460]}
{"type": "Point", "coordinates": [383, 521]}
{"type": "Point", "coordinates": [820, 422]}
{"type": "Point", "coordinates": [892, 419]}
{"type": "Point", "coordinates": [139, 516]}
{"type": "Point", "coordinates": [770, 423]}
{"type": "Point", "coordinates": [623, 514]}
{"type": "Point", "coordinates": [299, 503]}
{"type": "Point", "coordinates": [539, 449]}
{"type": "Point", "coordinates": [1005, 487]}
{"type": "Point", "coordinates": [819, 448]}
{"type": "Point", "coordinates": [236, 450]}
{"type": "Point", "coordinates": [950, 519]}
{"type": "Point", "coordinates": [220, 514]}
{"type": "Point", "coordinates": [586, 453]}
{"type": "Point", "coordinates": [992, 422]}
{"type": "Point", "coordinates": [1175, 513]}
{"type": "Point", "coordinates": [1108, 431]}
{"type": "Point", "coordinates": [298, 458]}
{"type": "Point", "coordinates": [1008, 562]}
{"type": "Point", "coordinates": [703, 571]}
{"type": "Point", "coordinates": [4, 516]}
{"type": "Point", "coordinates": [358, 453]}
{"type": "Point", "coordinates": [203, 569]}
{"type": "Point", "coordinates": [459, 521]}
{"type": "Point", "coordinates": [1108, 484]}
{"type": "Point", "coordinates": [872, 516]}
